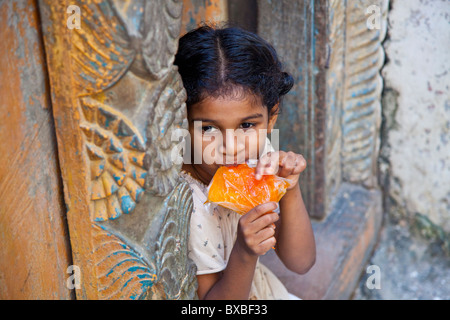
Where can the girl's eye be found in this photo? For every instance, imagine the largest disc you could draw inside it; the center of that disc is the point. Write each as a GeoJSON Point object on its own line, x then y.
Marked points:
{"type": "Point", "coordinates": [208, 129]}
{"type": "Point", "coordinates": [247, 125]}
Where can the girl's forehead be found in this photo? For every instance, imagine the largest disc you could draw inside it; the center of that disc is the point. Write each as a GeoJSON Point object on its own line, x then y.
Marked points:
{"type": "Point", "coordinates": [227, 108]}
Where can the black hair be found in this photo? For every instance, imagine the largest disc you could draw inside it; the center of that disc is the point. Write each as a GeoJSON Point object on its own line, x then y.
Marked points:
{"type": "Point", "coordinates": [219, 62]}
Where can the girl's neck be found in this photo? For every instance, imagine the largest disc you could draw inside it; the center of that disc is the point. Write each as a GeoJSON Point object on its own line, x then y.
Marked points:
{"type": "Point", "coordinates": [203, 177]}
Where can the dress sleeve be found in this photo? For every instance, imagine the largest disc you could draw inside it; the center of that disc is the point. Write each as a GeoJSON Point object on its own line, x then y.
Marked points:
{"type": "Point", "coordinates": [206, 244]}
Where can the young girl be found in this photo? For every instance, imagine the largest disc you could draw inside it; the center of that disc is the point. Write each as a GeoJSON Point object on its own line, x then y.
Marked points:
{"type": "Point", "coordinates": [233, 80]}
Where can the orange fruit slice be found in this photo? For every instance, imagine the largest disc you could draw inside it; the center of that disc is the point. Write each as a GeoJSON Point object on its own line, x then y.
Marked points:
{"type": "Point", "coordinates": [236, 188]}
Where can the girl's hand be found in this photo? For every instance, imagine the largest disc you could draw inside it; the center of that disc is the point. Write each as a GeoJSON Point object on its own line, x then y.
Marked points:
{"type": "Point", "coordinates": [288, 165]}
{"type": "Point", "coordinates": [256, 230]}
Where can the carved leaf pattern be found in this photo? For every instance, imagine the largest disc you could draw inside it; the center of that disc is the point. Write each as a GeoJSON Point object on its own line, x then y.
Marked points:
{"type": "Point", "coordinates": [101, 48]}
{"type": "Point", "coordinates": [114, 34]}
{"type": "Point", "coordinates": [117, 157]}
{"type": "Point", "coordinates": [169, 114]}
{"type": "Point", "coordinates": [171, 246]}
{"type": "Point", "coordinates": [361, 116]}
{"type": "Point", "coordinates": [160, 44]}
{"type": "Point", "coordinates": [122, 272]}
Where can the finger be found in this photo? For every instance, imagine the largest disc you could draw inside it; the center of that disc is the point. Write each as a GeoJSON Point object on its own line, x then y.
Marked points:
{"type": "Point", "coordinates": [273, 166]}
{"type": "Point", "coordinates": [266, 221]}
{"type": "Point", "coordinates": [263, 162]}
{"type": "Point", "coordinates": [298, 167]}
{"type": "Point", "coordinates": [266, 245]}
{"type": "Point", "coordinates": [264, 234]}
{"type": "Point", "coordinates": [268, 164]}
{"type": "Point", "coordinates": [301, 165]}
{"type": "Point", "coordinates": [288, 165]}
{"type": "Point", "coordinates": [260, 210]}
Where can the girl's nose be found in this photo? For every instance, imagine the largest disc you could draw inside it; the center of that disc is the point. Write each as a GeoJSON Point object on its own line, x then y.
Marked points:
{"type": "Point", "coordinates": [233, 144]}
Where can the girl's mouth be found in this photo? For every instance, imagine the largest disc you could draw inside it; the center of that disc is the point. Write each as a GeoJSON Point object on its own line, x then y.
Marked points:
{"type": "Point", "coordinates": [249, 162]}
{"type": "Point", "coordinates": [232, 164]}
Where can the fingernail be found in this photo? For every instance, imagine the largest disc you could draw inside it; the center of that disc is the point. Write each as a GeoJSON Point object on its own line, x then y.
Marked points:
{"type": "Point", "coordinates": [277, 209]}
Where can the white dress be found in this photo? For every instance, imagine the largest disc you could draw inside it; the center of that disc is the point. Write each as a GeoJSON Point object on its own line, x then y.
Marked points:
{"type": "Point", "coordinates": [213, 232]}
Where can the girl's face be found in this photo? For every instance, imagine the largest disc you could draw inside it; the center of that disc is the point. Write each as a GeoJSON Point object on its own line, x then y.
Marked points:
{"type": "Point", "coordinates": [227, 131]}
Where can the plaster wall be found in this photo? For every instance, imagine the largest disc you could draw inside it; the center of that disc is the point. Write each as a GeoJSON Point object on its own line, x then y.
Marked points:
{"type": "Point", "coordinates": [415, 157]}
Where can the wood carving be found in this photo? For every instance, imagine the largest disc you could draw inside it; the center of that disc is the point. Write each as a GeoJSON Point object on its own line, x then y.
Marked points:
{"type": "Point", "coordinates": [123, 272]}
{"type": "Point", "coordinates": [361, 113]}
{"type": "Point", "coordinates": [156, 268]}
{"type": "Point", "coordinates": [117, 99]}
{"type": "Point", "coordinates": [353, 95]}
{"type": "Point", "coordinates": [117, 158]}
{"type": "Point", "coordinates": [177, 276]}
{"type": "Point", "coordinates": [110, 42]}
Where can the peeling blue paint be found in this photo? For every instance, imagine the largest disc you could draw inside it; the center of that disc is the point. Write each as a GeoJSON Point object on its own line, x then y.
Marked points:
{"type": "Point", "coordinates": [94, 65]}
{"type": "Point", "coordinates": [117, 213]}
{"type": "Point", "coordinates": [133, 142]}
{"type": "Point", "coordinates": [127, 204]}
{"type": "Point", "coordinates": [117, 178]}
{"type": "Point", "coordinates": [139, 192]}
{"type": "Point", "coordinates": [113, 147]}
{"type": "Point", "coordinates": [114, 188]}
{"type": "Point", "coordinates": [101, 60]}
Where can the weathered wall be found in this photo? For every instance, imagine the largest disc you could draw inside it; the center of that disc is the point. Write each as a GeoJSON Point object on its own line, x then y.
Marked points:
{"type": "Point", "coordinates": [415, 156]}
{"type": "Point", "coordinates": [413, 253]}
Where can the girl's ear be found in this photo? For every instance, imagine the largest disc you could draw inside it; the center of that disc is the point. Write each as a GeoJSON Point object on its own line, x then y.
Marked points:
{"type": "Point", "coordinates": [273, 115]}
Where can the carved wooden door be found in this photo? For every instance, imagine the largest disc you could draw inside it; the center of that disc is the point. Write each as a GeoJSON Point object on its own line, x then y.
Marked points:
{"type": "Point", "coordinates": [116, 100]}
